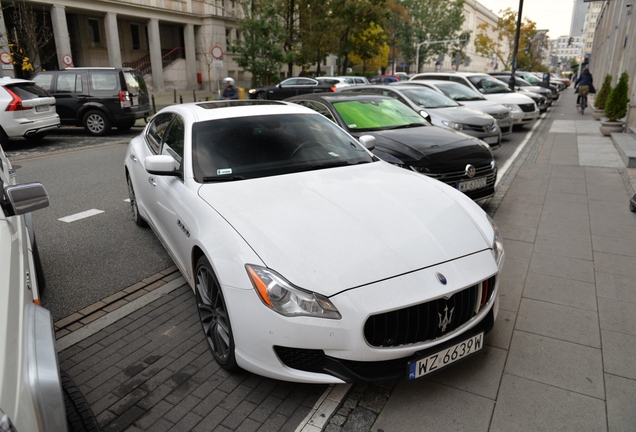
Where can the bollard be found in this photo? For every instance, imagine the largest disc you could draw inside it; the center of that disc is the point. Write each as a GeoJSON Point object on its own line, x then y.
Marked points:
{"type": "Point", "coordinates": [180, 99]}
{"type": "Point", "coordinates": [154, 107]}
{"type": "Point", "coordinates": [194, 96]}
{"type": "Point", "coordinates": [175, 95]}
{"type": "Point", "coordinates": [207, 98]}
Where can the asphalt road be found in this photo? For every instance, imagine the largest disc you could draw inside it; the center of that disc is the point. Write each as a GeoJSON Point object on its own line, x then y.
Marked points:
{"type": "Point", "coordinates": [91, 258]}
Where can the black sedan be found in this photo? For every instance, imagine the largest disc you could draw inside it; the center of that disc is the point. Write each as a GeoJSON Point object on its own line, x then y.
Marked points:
{"type": "Point", "coordinates": [404, 138]}
{"type": "Point", "coordinates": [291, 87]}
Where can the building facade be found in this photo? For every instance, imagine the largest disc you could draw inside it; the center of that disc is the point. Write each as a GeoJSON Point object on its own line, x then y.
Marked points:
{"type": "Point", "coordinates": [614, 47]}
{"type": "Point", "coordinates": [577, 25]}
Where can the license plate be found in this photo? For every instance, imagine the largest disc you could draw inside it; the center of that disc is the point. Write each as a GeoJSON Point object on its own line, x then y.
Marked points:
{"type": "Point", "coordinates": [529, 115]}
{"type": "Point", "coordinates": [41, 108]}
{"type": "Point", "coordinates": [492, 140]}
{"type": "Point", "coordinates": [471, 184]}
{"type": "Point", "coordinates": [135, 100]}
{"type": "Point", "coordinates": [426, 365]}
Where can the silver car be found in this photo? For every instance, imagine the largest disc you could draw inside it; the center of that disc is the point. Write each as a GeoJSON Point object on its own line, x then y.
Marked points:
{"type": "Point", "coordinates": [439, 110]}
{"type": "Point", "coordinates": [468, 97]}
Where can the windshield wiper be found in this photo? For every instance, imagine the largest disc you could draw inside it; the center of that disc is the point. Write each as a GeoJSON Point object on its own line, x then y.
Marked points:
{"type": "Point", "coordinates": [410, 125]}
{"type": "Point", "coordinates": [222, 179]}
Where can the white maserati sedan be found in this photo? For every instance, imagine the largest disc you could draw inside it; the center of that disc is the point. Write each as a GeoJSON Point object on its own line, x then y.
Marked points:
{"type": "Point", "coordinates": [311, 259]}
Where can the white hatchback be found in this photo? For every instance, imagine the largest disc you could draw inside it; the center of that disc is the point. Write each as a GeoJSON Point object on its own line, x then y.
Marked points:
{"type": "Point", "coordinates": [26, 110]}
{"type": "Point", "coordinates": [312, 260]}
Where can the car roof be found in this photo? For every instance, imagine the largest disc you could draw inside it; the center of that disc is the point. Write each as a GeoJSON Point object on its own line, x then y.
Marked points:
{"type": "Point", "coordinates": [340, 96]}
{"type": "Point", "coordinates": [8, 80]}
{"type": "Point", "coordinates": [217, 110]}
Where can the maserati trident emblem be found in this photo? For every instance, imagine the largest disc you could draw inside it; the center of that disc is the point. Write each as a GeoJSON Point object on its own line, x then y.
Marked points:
{"type": "Point", "coordinates": [441, 278]}
{"type": "Point", "coordinates": [470, 171]}
{"type": "Point", "coordinates": [446, 320]}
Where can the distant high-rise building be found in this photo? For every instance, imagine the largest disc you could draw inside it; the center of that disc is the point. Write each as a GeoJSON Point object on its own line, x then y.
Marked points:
{"type": "Point", "coordinates": [577, 26]}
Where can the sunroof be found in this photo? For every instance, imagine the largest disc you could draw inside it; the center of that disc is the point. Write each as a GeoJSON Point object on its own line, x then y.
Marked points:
{"type": "Point", "coordinates": [236, 103]}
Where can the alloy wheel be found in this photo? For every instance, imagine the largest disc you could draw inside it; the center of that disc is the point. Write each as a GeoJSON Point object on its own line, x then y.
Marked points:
{"type": "Point", "coordinates": [95, 123]}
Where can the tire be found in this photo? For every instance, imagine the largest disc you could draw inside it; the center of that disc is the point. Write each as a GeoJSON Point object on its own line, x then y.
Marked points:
{"type": "Point", "coordinates": [39, 271]}
{"type": "Point", "coordinates": [35, 138]}
{"type": "Point", "coordinates": [632, 206]}
{"type": "Point", "coordinates": [214, 316]}
{"type": "Point", "coordinates": [583, 105]}
{"type": "Point", "coordinates": [96, 123]}
{"type": "Point", "coordinates": [261, 95]}
{"type": "Point", "coordinates": [133, 205]}
{"type": "Point", "coordinates": [126, 126]}
{"type": "Point", "coordinates": [79, 416]}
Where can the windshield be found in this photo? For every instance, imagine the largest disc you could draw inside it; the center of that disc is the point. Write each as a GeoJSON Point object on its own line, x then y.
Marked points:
{"type": "Point", "coordinates": [268, 145]}
{"type": "Point", "coordinates": [427, 98]}
{"type": "Point", "coordinates": [488, 85]}
{"type": "Point", "coordinates": [519, 82]}
{"type": "Point", "coordinates": [459, 92]}
{"type": "Point", "coordinates": [377, 114]}
{"type": "Point", "coordinates": [532, 79]}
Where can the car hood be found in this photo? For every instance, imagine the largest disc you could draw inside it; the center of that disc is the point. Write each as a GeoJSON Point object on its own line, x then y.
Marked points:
{"type": "Point", "coordinates": [339, 228]}
{"type": "Point", "coordinates": [435, 147]}
{"type": "Point", "coordinates": [509, 98]}
{"type": "Point", "coordinates": [489, 107]}
{"type": "Point", "coordinates": [462, 115]}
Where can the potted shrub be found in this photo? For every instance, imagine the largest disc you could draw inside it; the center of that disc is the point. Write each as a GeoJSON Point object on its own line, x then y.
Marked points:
{"type": "Point", "coordinates": [616, 107]}
{"type": "Point", "coordinates": [601, 97]}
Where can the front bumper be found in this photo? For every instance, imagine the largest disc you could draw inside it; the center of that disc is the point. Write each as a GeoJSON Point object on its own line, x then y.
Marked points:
{"type": "Point", "coordinates": [521, 118]}
{"type": "Point", "coordinates": [341, 350]}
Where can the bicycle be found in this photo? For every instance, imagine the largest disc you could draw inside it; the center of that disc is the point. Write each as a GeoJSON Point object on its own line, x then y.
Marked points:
{"type": "Point", "coordinates": [581, 109]}
{"type": "Point", "coordinates": [583, 91]}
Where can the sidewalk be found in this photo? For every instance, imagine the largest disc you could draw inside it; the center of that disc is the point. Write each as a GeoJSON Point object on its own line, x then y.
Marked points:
{"type": "Point", "coordinates": [561, 355]}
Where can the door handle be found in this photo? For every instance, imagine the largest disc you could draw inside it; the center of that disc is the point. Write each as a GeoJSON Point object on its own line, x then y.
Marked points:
{"type": "Point", "coordinates": [133, 157]}
{"type": "Point", "coordinates": [151, 180]}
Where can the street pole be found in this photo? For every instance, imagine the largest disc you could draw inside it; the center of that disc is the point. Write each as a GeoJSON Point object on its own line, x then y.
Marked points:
{"type": "Point", "coordinates": [417, 52]}
{"type": "Point", "coordinates": [514, 54]}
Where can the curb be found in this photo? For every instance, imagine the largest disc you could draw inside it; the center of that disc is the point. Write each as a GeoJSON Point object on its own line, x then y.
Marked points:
{"type": "Point", "coordinates": [79, 320]}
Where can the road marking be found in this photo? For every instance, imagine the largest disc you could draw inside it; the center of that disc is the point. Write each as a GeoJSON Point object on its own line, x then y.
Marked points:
{"type": "Point", "coordinates": [81, 215]}
{"type": "Point", "coordinates": [511, 159]}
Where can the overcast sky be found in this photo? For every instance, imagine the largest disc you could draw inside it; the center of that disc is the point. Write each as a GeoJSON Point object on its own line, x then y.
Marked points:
{"type": "Point", "coordinates": [554, 15]}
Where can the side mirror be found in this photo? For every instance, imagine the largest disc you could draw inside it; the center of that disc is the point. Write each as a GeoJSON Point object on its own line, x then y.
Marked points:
{"type": "Point", "coordinates": [279, 85]}
{"type": "Point", "coordinates": [25, 198]}
{"type": "Point", "coordinates": [426, 116]}
{"type": "Point", "coordinates": [368, 141]}
{"type": "Point", "coordinates": [161, 165]}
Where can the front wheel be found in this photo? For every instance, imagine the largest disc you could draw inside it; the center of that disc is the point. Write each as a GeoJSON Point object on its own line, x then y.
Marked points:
{"type": "Point", "coordinates": [79, 416]}
{"type": "Point", "coordinates": [214, 316]}
{"type": "Point", "coordinates": [133, 205]}
{"type": "Point", "coordinates": [261, 95]}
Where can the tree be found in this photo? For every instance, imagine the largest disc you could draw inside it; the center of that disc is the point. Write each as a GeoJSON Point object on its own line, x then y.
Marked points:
{"type": "Point", "coordinates": [260, 50]}
{"type": "Point", "coordinates": [315, 35]}
{"type": "Point", "coordinates": [370, 49]}
{"type": "Point", "coordinates": [603, 93]}
{"type": "Point", "coordinates": [430, 20]}
{"type": "Point", "coordinates": [30, 38]}
{"type": "Point", "coordinates": [616, 104]}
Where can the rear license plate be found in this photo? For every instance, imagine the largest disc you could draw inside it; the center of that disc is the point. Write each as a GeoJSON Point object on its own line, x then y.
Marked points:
{"type": "Point", "coordinates": [426, 365]}
{"type": "Point", "coordinates": [492, 140]}
{"type": "Point", "coordinates": [472, 184]}
{"type": "Point", "coordinates": [41, 108]}
{"type": "Point", "coordinates": [135, 100]}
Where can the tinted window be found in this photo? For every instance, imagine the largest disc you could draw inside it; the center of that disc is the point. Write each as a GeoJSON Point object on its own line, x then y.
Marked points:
{"type": "Point", "coordinates": [488, 85]}
{"type": "Point", "coordinates": [44, 80]}
{"type": "Point", "coordinates": [291, 81]}
{"type": "Point", "coordinates": [305, 82]}
{"type": "Point", "coordinates": [174, 139]}
{"type": "Point", "coordinates": [377, 114]}
{"type": "Point", "coordinates": [69, 83]}
{"type": "Point", "coordinates": [431, 77]}
{"type": "Point", "coordinates": [331, 81]}
{"type": "Point", "coordinates": [427, 98]}
{"type": "Point", "coordinates": [28, 91]}
{"type": "Point", "coordinates": [321, 109]}
{"type": "Point", "coordinates": [157, 130]}
{"type": "Point", "coordinates": [459, 92]}
{"type": "Point", "coordinates": [104, 81]}
{"type": "Point", "coordinates": [261, 146]}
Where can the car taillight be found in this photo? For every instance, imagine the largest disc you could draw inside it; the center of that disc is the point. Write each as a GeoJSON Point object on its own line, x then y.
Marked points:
{"type": "Point", "coordinates": [16, 102]}
{"type": "Point", "coordinates": [124, 99]}
{"type": "Point", "coordinates": [333, 88]}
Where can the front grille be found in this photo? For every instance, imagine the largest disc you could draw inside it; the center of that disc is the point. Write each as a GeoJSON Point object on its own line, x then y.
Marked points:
{"type": "Point", "coordinates": [527, 107]}
{"type": "Point", "coordinates": [451, 178]}
{"type": "Point", "coordinates": [486, 128]}
{"type": "Point", "coordinates": [427, 321]}
{"type": "Point", "coordinates": [501, 115]}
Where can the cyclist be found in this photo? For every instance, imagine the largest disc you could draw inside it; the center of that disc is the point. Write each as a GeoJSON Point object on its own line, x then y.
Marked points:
{"type": "Point", "coordinates": [584, 85]}
{"type": "Point", "coordinates": [229, 92]}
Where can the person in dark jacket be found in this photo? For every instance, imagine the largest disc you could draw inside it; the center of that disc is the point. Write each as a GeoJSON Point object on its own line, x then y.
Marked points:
{"type": "Point", "coordinates": [229, 92]}
{"type": "Point", "coordinates": [584, 85]}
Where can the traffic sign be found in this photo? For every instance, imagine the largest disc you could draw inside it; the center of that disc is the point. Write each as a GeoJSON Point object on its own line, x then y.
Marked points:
{"type": "Point", "coordinates": [67, 59]}
{"type": "Point", "coordinates": [217, 52]}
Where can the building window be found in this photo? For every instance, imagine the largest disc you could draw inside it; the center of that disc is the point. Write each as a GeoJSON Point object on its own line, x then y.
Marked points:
{"type": "Point", "coordinates": [135, 36]}
{"type": "Point", "coordinates": [228, 38]}
{"type": "Point", "coordinates": [95, 36]}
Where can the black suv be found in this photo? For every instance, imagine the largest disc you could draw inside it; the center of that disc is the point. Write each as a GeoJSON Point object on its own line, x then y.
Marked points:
{"type": "Point", "coordinates": [97, 98]}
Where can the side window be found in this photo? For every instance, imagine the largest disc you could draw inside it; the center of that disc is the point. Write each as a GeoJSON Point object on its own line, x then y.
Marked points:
{"type": "Point", "coordinates": [389, 94]}
{"type": "Point", "coordinates": [69, 83]}
{"type": "Point", "coordinates": [103, 81]}
{"type": "Point", "coordinates": [157, 130]}
{"type": "Point", "coordinates": [459, 80]}
{"type": "Point", "coordinates": [321, 109]}
{"type": "Point", "coordinates": [289, 82]}
{"type": "Point", "coordinates": [44, 80]}
{"type": "Point", "coordinates": [173, 141]}
{"type": "Point", "coordinates": [305, 82]}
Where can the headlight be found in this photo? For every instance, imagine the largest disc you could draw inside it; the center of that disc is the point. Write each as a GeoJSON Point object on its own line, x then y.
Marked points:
{"type": "Point", "coordinates": [497, 245]}
{"type": "Point", "coordinates": [251, 91]}
{"type": "Point", "coordinates": [278, 294]}
{"type": "Point", "coordinates": [512, 107]}
{"type": "Point", "coordinates": [453, 125]}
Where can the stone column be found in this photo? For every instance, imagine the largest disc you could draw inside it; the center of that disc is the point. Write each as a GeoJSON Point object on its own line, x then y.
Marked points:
{"type": "Point", "coordinates": [154, 46]}
{"type": "Point", "coordinates": [5, 70]}
{"type": "Point", "coordinates": [60, 33]}
{"type": "Point", "coordinates": [112, 39]}
{"type": "Point", "coordinates": [190, 55]}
